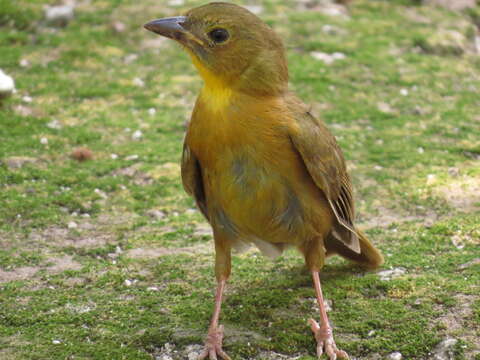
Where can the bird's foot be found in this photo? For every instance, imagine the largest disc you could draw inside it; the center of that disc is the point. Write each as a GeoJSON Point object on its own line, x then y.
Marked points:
{"type": "Point", "coordinates": [213, 345]}
{"type": "Point", "coordinates": [325, 343]}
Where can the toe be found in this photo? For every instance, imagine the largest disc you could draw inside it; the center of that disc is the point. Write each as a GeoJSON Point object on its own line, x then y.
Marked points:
{"type": "Point", "coordinates": [223, 354]}
{"type": "Point", "coordinates": [203, 355]}
{"type": "Point", "coordinates": [213, 355]}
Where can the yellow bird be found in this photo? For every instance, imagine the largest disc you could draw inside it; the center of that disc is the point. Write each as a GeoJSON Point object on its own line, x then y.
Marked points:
{"type": "Point", "coordinates": [261, 168]}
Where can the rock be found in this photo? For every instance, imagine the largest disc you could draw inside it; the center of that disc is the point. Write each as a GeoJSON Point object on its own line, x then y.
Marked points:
{"type": "Point", "coordinates": [395, 356]}
{"type": "Point", "coordinates": [255, 9]}
{"type": "Point", "coordinates": [7, 85]}
{"type": "Point", "coordinates": [454, 5]}
{"type": "Point", "coordinates": [385, 108]}
{"type": "Point", "coordinates": [156, 214]}
{"type": "Point", "coordinates": [137, 135]}
{"type": "Point", "coordinates": [59, 16]}
{"type": "Point", "coordinates": [17, 162]}
{"type": "Point", "coordinates": [192, 352]}
{"type": "Point", "coordinates": [82, 154]}
{"type": "Point", "coordinates": [387, 275]}
{"type": "Point", "coordinates": [327, 58]}
{"type": "Point", "coordinates": [445, 42]}
{"type": "Point", "coordinates": [72, 225]}
{"type": "Point", "coordinates": [54, 124]}
{"type": "Point", "coordinates": [471, 263]}
{"type": "Point", "coordinates": [118, 27]}
{"type": "Point", "coordinates": [444, 350]}
{"type": "Point", "coordinates": [203, 230]}
{"type": "Point", "coordinates": [176, 2]}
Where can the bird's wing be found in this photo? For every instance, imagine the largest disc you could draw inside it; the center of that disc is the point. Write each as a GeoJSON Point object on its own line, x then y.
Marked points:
{"type": "Point", "coordinates": [192, 179]}
{"type": "Point", "coordinates": [325, 163]}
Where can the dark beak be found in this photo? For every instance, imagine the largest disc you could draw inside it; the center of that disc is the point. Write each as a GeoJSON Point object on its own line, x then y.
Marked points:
{"type": "Point", "coordinates": [170, 27]}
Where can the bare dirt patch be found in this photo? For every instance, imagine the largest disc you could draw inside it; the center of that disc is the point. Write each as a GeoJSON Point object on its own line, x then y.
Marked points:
{"type": "Point", "coordinates": [462, 193]}
{"type": "Point", "coordinates": [59, 265]}
{"type": "Point", "coordinates": [386, 217]}
{"type": "Point", "coordinates": [21, 273]}
{"type": "Point", "coordinates": [458, 322]}
{"type": "Point", "coordinates": [62, 264]}
{"type": "Point", "coordinates": [152, 253]}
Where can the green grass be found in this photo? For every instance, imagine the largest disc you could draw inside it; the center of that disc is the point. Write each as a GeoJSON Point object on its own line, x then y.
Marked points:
{"type": "Point", "coordinates": [120, 283]}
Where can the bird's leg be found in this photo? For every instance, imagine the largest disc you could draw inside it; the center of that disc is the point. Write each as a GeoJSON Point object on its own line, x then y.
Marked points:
{"type": "Point", "coordinates": [323, 332]}
{"type": "Point", "coordinates": [213, 343]}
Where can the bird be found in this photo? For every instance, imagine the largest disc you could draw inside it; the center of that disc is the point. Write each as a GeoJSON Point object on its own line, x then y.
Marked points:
{"type": "Point", "coordinates": [262, 169]}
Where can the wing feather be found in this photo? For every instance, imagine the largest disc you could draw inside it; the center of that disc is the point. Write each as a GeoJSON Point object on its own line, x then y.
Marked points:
{"type": "Point", "coordinates": [324, 161]}
{"type": "Point", "coordinates": [192, 179]}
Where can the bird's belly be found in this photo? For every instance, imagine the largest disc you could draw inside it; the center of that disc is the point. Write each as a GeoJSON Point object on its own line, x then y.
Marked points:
{"type": "Point", "coordinates": [252, 200]}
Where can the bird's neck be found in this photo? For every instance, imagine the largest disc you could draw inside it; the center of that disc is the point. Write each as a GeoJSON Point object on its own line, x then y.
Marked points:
{"type": "Point", "coordinates": [216, 93]}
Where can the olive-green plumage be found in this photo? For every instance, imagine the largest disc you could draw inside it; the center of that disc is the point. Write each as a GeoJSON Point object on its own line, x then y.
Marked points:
{"type": "Point", "coordinates": [262, 169]}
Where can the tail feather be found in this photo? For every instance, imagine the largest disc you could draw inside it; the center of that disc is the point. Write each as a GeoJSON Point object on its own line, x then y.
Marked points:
{"type": "Point", "coordinates": [369, 256]}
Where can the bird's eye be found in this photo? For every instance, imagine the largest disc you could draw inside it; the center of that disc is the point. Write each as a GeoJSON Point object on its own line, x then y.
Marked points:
{"type": "Point", "coordinates": [218, 35]}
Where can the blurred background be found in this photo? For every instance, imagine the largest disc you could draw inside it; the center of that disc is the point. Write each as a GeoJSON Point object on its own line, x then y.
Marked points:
{"type": "Point", "coordinates": [103, 255]}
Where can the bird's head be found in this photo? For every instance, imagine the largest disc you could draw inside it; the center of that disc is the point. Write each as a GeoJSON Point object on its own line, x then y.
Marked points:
{"type": "Point", "coordinates": [230, 47]}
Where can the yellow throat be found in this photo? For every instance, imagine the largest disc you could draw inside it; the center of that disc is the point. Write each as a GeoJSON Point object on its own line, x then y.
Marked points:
{"type": "Point", "coordinates": [216, 94]}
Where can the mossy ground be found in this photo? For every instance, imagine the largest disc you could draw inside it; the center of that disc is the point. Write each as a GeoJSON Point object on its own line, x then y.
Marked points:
{"type": "Point", "coordinates": [122, 280]}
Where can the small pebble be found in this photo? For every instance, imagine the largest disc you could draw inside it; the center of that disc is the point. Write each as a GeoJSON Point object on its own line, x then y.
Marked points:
{"type": "Point", "coordinates": [138, 82]}
{"type": "Point", "coordinates": [7, 85]}
{"type": "Point", "coordinates": [56, 342]}
{"type": "Point", "coordinates": [403, 92]}
{"type": "Point", "coordinates": [128, 282]}
{"type": "Point", "coordinates": [113, 156]}
{"type": "Point", "coordinates": [54, 124]}
{"type": "Point", "coordinates": [132, 157]}
{"type": "Point", "coordinates": [137, 135]}
{"type": "Point", "coordinates": [395, 356]}
{"type": "Point", "coordinates": [152, 111]}
{"type": "Point", "coordinates": [387, 275]}
{"type": "Point", "coordinates": [72, 225]}
{"type": "Point", "coordinates": [24, 63]}
{"type": "Point", "coordinates": [44, 141]}
{"type": "Point", "coordinates": [59, 15]}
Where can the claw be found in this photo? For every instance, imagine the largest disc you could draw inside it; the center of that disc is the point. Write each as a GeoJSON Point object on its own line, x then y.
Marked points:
{"type": "Point", "coordinates": [325, 342]}
{"type": "Point", "coordinates": [213, 345]}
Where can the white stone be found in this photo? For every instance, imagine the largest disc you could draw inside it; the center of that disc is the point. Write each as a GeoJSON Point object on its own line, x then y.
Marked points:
{"type": "Point", "coordinates": [176, 2]}
{"type": "Point", "coordinates": [56, 342]}
{"type": "Point", "coordinates": [132, 157]}
{"type": "Point", "coordinates": [327, 58]}
{"type": "Point", "coordinates": [7, 85]}
{"type": "Point", "coordinates": [256, 9]}
{"type": "Point", "coordinates": [137, 135]}
{"type": "Point", "coordinates": [138, 82]}
{"type": "Point", "coordinates": [44, 141]}
{"type": "Point", "coordinates": [387, 275]}
{"type": "Point", "coordinates": [72, 225]}
{"type": "Point", "coordinates": [59, 15]}
{"type": "Point", "coordinates": [395, 356]}
{"type": "Point", "coordinates": [128, 282]}
{"type": "Point", "coordinates": [54, 124]}
{"type": "Point", "coordinates": [444, 351]}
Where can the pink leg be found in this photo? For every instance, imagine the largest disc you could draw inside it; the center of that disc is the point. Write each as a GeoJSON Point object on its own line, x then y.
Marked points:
{"type": "Point", "coordinates": [213, 343]}
{"type": "Point", "coordinates": [323, 332]}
